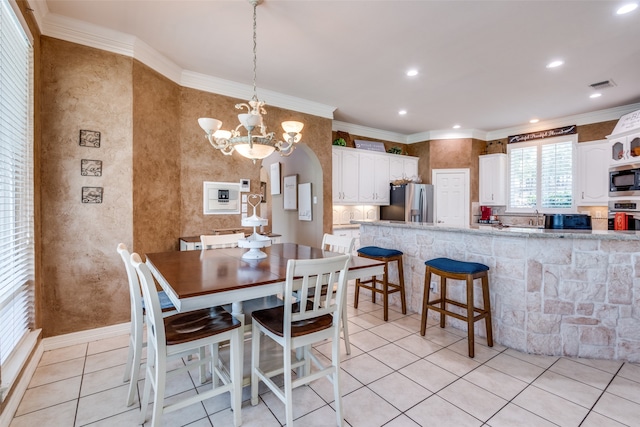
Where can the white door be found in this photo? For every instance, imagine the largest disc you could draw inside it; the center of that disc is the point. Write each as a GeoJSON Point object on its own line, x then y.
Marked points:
{"type": "Point", "coordinates": [451, 197]}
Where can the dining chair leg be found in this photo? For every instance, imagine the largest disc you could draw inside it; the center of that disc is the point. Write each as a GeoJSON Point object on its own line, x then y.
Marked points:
{"type": "Point", "coordinates": [146, 394]}
{"type": "Point", "coordinates": [134, 372]}
{"type": "Point", "coordinates": [160, 380]}
{"type": "Point", "coordinates": [337, 398]}
{"type": "Point", "coordinates": [288, 389]}
{"type": "Point", "coordinates": [236, 375]}
{"type": "Point", "coordinates": [345, 328]}
{"type": "Point", "coordinates": [203, 367]}
{"type": "Point", "coordinates": [130, 356]}
{"type": "Point", "coordinates": [255, 363]}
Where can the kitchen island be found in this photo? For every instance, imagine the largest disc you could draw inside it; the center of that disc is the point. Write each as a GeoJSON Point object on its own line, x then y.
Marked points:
{"type": "Point", "coordinates": [553, 292]}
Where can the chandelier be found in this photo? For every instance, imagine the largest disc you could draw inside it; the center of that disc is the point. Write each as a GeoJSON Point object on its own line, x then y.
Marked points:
{"type": "Point", "coordinates": [257, 143]}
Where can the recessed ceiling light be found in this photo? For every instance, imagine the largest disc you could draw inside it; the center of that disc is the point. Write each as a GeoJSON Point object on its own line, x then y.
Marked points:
{"type": "Point", "coordinates": [627, 8]}
{"type": "Point", "coordinates": [412, 72]}
{"type": "Point", "coordinates": [595, 95]}
{"type": "Point", "coordinates": [402, 112]}
{"type": "Point", "coordinates": [456, 126]}
{"type": "Point", "coordinates": [534, 121]}
{"type": "Point", "coordinates": [555, 64]}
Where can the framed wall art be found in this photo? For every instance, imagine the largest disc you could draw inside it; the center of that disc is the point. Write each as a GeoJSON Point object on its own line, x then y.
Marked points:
{"type": "Point", "coordinates": [92, 194]}
{"type": "Point", "coordinates": [90, 167]}
{"type": "Point", "coordinates": [89, 138]}
{"type": "Point", "coordinates": [290, 192]}
{"type": "Point", "coordinates": [304, 202]}
{"type": "Point", "coordinates": [275, 178]}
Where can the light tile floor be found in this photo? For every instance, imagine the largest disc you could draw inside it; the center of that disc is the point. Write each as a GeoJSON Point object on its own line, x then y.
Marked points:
{"type": "Point", "coordinates": [393, 377]}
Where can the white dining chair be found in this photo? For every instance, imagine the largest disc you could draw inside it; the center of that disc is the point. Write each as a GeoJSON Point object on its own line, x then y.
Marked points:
{"type": "Point", "coordinates": [296, 326]}
{"type": "Point", "coordinates": [181, 335]}
{"type": "Point", "coordinates": [219, 241]}
{"type": "Point", "coordinates": [343, 245]}
{"type": "Point", "coordinates": [136, 339]}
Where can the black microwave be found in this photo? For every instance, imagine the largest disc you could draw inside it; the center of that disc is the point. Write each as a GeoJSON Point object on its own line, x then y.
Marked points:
{"type": "Point", "coordinates": [624, 180]}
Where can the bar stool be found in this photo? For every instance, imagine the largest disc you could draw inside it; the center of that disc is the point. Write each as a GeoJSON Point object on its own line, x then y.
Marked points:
{"type": "Point", "coordinates": [469, 271]}
{"type": "Point", "coordinates": [387, 256]}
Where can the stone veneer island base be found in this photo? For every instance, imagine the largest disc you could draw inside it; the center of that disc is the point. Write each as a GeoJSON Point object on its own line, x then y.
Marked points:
{"type": "Point", "coordinates": [557, 293]}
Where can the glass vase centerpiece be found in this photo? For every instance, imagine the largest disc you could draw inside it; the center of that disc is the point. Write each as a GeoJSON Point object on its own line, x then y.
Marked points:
{"type": "Point", "coordinates": [256, 241]}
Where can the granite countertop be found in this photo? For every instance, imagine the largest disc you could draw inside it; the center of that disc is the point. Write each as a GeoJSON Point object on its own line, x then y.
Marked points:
{"type": "Point", "coordinates": [514, 231]}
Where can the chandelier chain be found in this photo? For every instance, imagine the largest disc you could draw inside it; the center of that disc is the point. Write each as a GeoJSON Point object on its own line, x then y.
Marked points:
{"type": "Point", "coordinates": [255, 55]}
{"type": "Point", "coordinates": [257, 143]}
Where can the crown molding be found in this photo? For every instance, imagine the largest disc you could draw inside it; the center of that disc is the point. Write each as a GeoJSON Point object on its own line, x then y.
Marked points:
{"type": "Point", "coordinates": [86, 34]}
{"type": "Point", "coordinates": [579, 119]}
{"type": "Point", "coordinates": [241, 91]}
{"type": "Point", "coordinates": [369, 132]}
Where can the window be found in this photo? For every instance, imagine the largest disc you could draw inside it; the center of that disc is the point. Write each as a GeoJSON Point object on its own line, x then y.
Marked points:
{"type": "Point", "coordinates": [16, 193]}
{"type": "Point", "coordinates": [541, 175]}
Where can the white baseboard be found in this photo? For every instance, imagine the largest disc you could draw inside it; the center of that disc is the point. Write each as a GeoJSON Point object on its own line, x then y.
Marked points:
{"type": "Point", "coordinates": [20, 387]}
{"type": "Point", "coordinates": [83, 337]}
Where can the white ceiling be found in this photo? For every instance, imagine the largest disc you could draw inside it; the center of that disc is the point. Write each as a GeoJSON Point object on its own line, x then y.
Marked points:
{"type": "Point", "coordinates": [481, 63]}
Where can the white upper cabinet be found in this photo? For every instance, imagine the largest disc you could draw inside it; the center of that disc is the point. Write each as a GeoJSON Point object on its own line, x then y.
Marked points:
{"type": "Point", "coordinates": [493, 179]}
{"type": "Point", "coordinates": [624, 149]}
{"type": "Point", "coordinates": [345, 176]}
{"type": "Point", "coordinates": [363, 177]}
{"type": "Point", "coordinates": [374, 179]}
{"type": "Point", "coordinates": [593, 173]}
{"type": "Point", "coordinates": [403, 167]}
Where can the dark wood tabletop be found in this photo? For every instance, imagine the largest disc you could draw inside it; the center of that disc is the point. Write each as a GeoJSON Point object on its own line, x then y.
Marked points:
{"type": "Point", "coordinates": [194, 279]}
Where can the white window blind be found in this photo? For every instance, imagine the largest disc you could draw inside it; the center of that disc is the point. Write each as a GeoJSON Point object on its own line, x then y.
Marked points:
{"type": "Point", "coordinates": [16, 184]}
{"type": "Point", "coordinates": [541, 175]}
{"type": "Point", "coordinates": [524, 177]}
{"type": "Point", "coordinates": [556, 175]}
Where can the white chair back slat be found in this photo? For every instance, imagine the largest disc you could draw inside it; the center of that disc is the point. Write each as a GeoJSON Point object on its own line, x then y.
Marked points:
{"type": "Point", "coordinates": [220, 241]}
{"type": "Point", "coordinates": [314, 273]}
{"type": "Point", "coordinates": [340, 244]}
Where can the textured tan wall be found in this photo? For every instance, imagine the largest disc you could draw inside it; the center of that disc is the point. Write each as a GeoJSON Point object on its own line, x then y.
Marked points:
{"type": "Point", "coordinates": [595, 131]}
{"type": "Point", "coordinates": [155, 158]}
{"type": "Point", "coordinates": [84, 88]}
{"type": "Point", "coordinates": [200, 162]}
{"type": "Point", "coordinates": [156, 161]}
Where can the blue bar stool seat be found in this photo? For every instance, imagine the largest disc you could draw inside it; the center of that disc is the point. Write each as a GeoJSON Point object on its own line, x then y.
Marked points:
{"type": "Point", "coordinates": [387, 256]}
{"type": "Point", "coordinates": [459, 270]}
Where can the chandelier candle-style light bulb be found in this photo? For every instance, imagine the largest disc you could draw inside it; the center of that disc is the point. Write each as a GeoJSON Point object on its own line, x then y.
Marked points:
{"type": "Point", "coordinates": [257, 143]}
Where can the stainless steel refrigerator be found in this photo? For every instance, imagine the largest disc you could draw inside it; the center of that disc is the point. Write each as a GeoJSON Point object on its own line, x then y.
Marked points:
{"type": "Point", "coordinates": [410, 203]}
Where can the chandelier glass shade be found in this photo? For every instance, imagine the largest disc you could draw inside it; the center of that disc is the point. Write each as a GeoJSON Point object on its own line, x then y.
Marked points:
{"type": "Point", "coordinates": [256, 144]}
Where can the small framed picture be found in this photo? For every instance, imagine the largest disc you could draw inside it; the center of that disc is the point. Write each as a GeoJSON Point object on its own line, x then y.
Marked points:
{"type": "Point", "coordinates": [89, 138]}
{"type": "Point", "coordinates": [304, 202]}
{"type": "Point", "coordinates": [291, 193]}
{"type": "Point", "coordinates": [92, 194]}
{"type": "Point", "coordinates": [275, 178]}
{"type": "Point", "coordinates": [90, 167]}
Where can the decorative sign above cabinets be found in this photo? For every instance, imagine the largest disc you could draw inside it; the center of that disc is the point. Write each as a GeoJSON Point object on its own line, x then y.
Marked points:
{"type": "Point", "coordinates": [369, 145]}
{"type": "Point", "coordinates": [549, 133]}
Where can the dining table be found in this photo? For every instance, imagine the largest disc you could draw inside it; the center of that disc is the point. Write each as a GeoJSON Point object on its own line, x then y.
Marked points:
{"type": "Point", "coordinates": [205, 278]}
{"type": "Point", "coordinates": [212, 277]}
